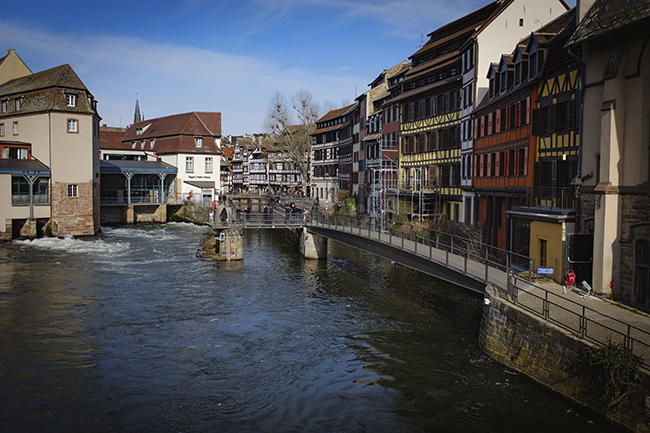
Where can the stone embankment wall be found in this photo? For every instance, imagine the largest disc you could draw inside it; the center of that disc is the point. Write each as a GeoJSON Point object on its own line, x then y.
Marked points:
{"type": "Point", "coordinates": [554, 358]}
{"type": "Point", "coordinates": [192, 214]}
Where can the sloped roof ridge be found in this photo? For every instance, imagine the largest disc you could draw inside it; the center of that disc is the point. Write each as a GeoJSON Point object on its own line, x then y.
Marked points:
{"type": "Point", "coordinates": [59, 76]}
{"type": "Point", "coordinates": [332, 114]}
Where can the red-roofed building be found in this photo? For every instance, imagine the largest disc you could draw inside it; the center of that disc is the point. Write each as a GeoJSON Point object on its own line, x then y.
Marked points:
{"type": "Point", "coordinates": [189, 141]}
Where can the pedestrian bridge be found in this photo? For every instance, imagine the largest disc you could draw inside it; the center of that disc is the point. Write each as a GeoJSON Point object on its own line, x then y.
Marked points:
{"type": "Point", "coordinates": [472, 265]}
{"type": "Point", "coordinates": [445, 256]}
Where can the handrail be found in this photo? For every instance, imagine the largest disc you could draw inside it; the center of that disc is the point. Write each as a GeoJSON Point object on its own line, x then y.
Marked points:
{"type": "Point", "coordinates": [576, 318]}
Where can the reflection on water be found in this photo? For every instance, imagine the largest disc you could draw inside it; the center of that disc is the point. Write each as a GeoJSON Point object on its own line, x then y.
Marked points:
{"type": "Point", "coordinates": [130, 331]}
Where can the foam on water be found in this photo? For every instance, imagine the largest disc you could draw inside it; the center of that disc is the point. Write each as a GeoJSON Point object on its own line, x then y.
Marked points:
{"type": "Point", "coordinates": [73, 245]}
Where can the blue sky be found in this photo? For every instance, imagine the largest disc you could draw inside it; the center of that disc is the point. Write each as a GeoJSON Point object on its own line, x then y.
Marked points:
{"type": "Point", "coordinates": [227, 56]}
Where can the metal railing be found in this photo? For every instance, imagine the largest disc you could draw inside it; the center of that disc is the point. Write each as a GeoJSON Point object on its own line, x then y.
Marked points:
{"type": "Point", "coordinates": [458, 251]}
{"type": "Point", "coordinates": [23, 199]}
{"type": "Point", "coordinates": [550, 198]}
{"type": "Point", "coordinates": [426, 241]}
{"type": "Point", "coordinates": [580, 320]}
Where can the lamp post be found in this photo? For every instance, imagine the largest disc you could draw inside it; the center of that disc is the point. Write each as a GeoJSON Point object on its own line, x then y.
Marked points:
{"type": "Point", "coordinates": [576, 183]}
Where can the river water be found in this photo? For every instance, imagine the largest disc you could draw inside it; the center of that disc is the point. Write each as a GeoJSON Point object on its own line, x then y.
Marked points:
{"type": "Point", "coordinates": [130, 331]}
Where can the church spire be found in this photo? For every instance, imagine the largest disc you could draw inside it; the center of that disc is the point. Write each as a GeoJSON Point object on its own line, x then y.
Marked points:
{"type": "Point", "coordinates": [137, 117]}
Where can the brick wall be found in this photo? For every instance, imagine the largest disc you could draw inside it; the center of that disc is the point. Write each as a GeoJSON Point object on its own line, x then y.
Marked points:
{"type": "Point", "coordinates": [75, 216]}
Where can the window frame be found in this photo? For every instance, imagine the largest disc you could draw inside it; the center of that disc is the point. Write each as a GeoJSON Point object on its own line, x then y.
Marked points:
{"type": "Point", "coordinates": [189, 164]}
{"type": "Point", "coordinates": [70, 100]}
{"type": "Point", "coordinates": [70, 123]}
{"type": "Point", "coordinates": [73, 190]}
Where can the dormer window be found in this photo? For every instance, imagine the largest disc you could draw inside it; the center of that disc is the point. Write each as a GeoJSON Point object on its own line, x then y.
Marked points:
{"type": "Point", "coordinates": [4, 106]}
{"type": "Point", "coordinates": [532, 64]}
{"type": "Point", "coordinates": [138, 131]}
{"type": "Point", "coordinates": [517, 73]}
{"type": "Point", "coordinates": [18, 102]}
{"type": "Point", "coordinates": [70, 100]}
{"type": "Point", "coordinates": [198, 142]}
{"type": "Point", "coordinates": [504, 81]}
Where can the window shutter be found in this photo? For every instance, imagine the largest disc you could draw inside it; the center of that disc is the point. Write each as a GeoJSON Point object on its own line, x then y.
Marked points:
{"type": "Point", "coordinates": [525, 161]}
{"type": "Point", "coordinates": [476, 128]}
{"type": "Point", "coordinates": [497, 122]}
{"type": "Point", "coordinates": [489, 164]}
{"type": "Point", "coordinates": [518, 114]}
{"type": "Point", "coordinates": [535, 125]}
{"type": "Point", "coordinates": [527, 110]}
{"type": "Point", "coordinates": [476, 166]}
{"type": "Point", "coordinates": [481, 168]}
{"type": "Point", "coordinates": [482, 126]}
{"type": "Point", "coordinates": [553, 118]}
{"type": "Point", "coordinates": [497, 156]}
{"type": "Point", "coordinates": [489, 124]}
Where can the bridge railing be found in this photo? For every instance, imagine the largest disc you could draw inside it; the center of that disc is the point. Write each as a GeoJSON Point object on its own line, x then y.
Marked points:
{"type": "Point", "coordinates": [425, 240]}
{"type": "Point", "coordinates": [574, 317]}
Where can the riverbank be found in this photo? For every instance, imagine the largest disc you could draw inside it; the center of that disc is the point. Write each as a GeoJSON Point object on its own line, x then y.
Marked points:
{"type": "Point", "coordinates": [557, 359]}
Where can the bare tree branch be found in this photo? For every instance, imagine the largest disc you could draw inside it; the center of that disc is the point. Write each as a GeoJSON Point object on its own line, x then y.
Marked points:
{"type": "Point", "coordinates": [289, 125]}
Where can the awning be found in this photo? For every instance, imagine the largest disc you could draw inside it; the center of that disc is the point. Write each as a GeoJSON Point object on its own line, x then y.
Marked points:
{"type": "Point", "coordinates": [370, 137]}
{"type": "Point", "coordinates": [203, 184]}
{"type": "Point", "coordinates": [23, 166]}
{"type": "Point", "coordinates": [137, 167]}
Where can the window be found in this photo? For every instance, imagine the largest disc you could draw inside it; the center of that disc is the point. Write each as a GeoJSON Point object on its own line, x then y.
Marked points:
{"type": "Point", "coordinates": [18, 102]}
{"type": "Point", "coordinates": [641, 270]}
{"type": "Point", "coordinates": [532, 65]}
{"type": "Point", "coordinates": [2, 129]}
{"type": "Point", "coordinates": [73, 191]}
{"type": "Point", "coordinates": [4, 106]}
{"type": "Point", "coordinates": [70, 100]}
{"type": "Point", "coordinates": [189, 164]}
{"type": "Point", "coordinates": [198, 141]}
{"type": "Point", "coordinates": [72, 125]}
{"type": "Point", "coordinates": [15, 128]}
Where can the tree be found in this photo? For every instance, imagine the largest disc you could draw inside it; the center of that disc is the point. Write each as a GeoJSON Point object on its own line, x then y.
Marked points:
{"type": "Point", "coordinates": [289, 124]}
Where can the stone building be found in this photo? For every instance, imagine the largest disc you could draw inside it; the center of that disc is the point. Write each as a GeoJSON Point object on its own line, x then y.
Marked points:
{"type": "Point", "coordinates": [50, 120]}
{"type": "Point", "coordinates": [614, 202]}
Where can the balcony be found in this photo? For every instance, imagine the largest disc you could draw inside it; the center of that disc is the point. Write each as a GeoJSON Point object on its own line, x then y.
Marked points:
{"type": "Point", "coordinates": [551, 199]}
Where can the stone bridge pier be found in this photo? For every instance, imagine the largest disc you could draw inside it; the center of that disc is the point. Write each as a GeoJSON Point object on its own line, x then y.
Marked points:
{"type": "Point", "coordinates": [310, 245]}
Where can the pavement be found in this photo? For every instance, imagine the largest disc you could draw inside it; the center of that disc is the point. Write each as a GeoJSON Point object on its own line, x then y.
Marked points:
{"type": "Point", "coordinates": [606, 320]}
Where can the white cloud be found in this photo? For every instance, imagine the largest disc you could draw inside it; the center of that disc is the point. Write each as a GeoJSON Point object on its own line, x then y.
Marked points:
{"type": "Point", "coordinates": [170, 79]}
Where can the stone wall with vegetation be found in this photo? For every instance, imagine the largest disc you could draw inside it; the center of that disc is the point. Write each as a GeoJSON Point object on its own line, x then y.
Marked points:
{"type": "Point", "coordinates": [558, 360]}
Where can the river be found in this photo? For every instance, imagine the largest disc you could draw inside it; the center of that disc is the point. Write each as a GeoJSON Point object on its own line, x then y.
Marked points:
{"type": "Point", "coordinates": [129, 331]}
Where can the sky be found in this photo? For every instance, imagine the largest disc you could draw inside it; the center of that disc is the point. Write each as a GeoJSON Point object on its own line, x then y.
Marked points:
{"type": "Point", "coordinates": [229, 56]}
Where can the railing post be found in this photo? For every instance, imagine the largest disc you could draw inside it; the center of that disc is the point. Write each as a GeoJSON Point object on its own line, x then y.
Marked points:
{"type": "Point", "coordinates": [583, 323]}
{"type": "Point", "coordinates": [437, 240]}
{"type": "Point", "coordinates": [545, 306]}
{"type": "Point", "coordinates": [446, 258]}
{"type": "Point", "coordinates": [487, 263]}
{"type": "Point", "coordinates": [465, 268]}
{"type": "Point", "coordinates": [416, 245]}
{"type": "Point", "coordinates": [430, 250]}
{"type": "Point", "coordinates": [452, 244]}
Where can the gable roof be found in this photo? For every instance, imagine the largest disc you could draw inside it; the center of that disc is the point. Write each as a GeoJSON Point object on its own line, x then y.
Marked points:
{"type": "Point", "coordinates": [193, 123]}
{"type": "Point", "coordinates": [176, 133]}
{"type": "Point", "coordinates": [62, 76]}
